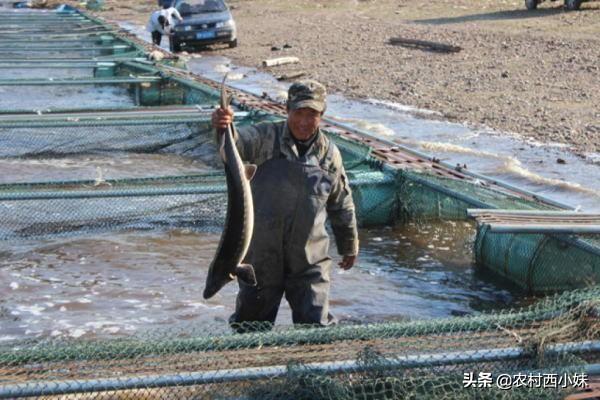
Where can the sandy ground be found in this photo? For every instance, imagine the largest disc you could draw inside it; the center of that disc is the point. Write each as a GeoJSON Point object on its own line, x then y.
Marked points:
{"type": "Point", "coordinates": [532, 73]}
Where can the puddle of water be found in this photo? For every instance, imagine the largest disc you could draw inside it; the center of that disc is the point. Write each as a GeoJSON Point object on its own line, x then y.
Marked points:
{"type": "Point", "coordinates": [130, 282]}
{"type": "Point", "coordinates": [527, 164]}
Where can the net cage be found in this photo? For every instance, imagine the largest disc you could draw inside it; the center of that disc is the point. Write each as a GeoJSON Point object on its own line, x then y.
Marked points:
{"type": "Point", "coordinates": [540, 262]}
{"type": "Point", "coordinates": [17, 66]}
{"type": "Point", "coordinates": [382, 195]}
{"type": "Point", "coordinates": [46, 209]}
{"type": "Point", "coordinates": [114, 85]}
{"type": "Point", "coordinates": [430, 196]}
{"type": "Point", "coordinates": [68, 51]}
{"type": "Point", "coordinates": [537, 263]}
{"type": "Point", "coordinates": [54, 70]}
{"type": "Point", "coordinates": [545, 350]}
{"type": "Point", "coordinates": [178, 131]}
{"type": "Point", "coordinates": [26, 23]}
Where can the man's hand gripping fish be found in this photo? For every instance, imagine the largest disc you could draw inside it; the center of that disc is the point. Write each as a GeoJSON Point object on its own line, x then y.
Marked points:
{"type": "Point", "coordinates": [239, 223]}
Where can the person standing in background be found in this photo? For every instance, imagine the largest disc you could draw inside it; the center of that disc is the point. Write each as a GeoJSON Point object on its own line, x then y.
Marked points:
{"type": "Point", "coordinates": [170, 13]}
{"type": "Point", "coordinates": [156, 26]}
{"type": "Point", "coordinates": [162, 22]}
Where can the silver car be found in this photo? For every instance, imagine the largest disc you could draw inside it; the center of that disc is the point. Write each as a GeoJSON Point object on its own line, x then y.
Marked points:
{"type": "Point", "coordinates": [204, 22]}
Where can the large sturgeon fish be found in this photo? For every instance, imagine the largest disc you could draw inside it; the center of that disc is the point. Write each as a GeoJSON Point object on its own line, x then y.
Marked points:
{"type": "Point", "coordinates": [239, 222]}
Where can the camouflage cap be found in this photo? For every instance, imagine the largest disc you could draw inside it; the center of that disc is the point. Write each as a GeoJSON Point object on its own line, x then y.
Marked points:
{"type": "Point", "coordinates": [307, 93]}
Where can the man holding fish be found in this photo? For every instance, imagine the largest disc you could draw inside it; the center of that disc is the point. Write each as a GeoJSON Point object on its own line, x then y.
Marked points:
{"type": "Point", "coordinates": [298, 183]}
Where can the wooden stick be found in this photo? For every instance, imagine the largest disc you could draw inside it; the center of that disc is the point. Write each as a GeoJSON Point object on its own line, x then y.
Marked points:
{"type": "Point", "coordinates": [291, 75]}
{"type": "Point", "coordinates": [398, 41]}
{"type": "Point", "coordinates": [280, 61]}
{"type": "Point", "coordinates": [475, 212]}
{"type": "Point", "coordinates": [544, 228]}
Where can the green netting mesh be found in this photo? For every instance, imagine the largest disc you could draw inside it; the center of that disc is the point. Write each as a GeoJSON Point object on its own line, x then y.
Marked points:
{"type": "Point", "coordinates": [540, 262]}
{"type": "Point", "coordinates": [109, 88]}
{"type": "Point", "coordinates": [197, 202]}
{"type": "Point", "coordinates": [82, 207]}
{"type": "Point", "coordinates": [31, 29]}
{"type": "Point", "coordinates": [428, 196]}
{"type": "Point", "coordinates": [382, 195]}
{"type": "Point", "coordinates": [66, 51]}
{"type": "Point", "coordinates": [41, 58]}
{"type": "Point", "coordinates": [458, 358]}
{"type": "Point", "coordinates": [59, 208]}
{"type": "Point", "coordinates": [374, 188]}
{"type": "Point", "coordinates": [53, 42]}
{"type": "Point", "coordinates": [180, 133]}
{"type": "Point", "coordinates": [534, 262]}
{"type": "Point", "coordinates": [53, 71]}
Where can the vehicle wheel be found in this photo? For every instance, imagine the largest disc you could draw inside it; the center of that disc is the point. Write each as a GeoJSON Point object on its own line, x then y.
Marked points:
{"type": "Point", "coordinates": [174, 46]}
{"type": "Point", "coordinates": [233, 44]}
{"type": "Point", "coordinates": [531, 4]}
{"type": "Point", "coordinates": [572, 4]}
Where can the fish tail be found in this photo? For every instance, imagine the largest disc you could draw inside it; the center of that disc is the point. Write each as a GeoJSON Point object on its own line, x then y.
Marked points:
{"type": "Point", "coordinates": [224, 100]}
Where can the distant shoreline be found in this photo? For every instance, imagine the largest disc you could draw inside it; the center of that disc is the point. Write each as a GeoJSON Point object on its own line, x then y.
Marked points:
{"type": "Point", "coordinates": [534, 73]}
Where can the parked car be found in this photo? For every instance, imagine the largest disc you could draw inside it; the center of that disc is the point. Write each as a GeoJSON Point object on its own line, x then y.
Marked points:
{"type": "Point", "coordinates": [569, 4]}
{"type": "Point", "coordinates": [204, 22]}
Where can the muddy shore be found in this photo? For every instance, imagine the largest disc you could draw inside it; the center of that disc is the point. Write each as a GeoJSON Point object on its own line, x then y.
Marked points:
{"type": "Point", "coordinates": [533, 73]}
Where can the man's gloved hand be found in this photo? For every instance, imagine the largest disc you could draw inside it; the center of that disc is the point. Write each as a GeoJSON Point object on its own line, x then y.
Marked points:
{"type": "Point", "coordinates": [347, 262]}
{"type": "Point", "coordinates": [221, 118]}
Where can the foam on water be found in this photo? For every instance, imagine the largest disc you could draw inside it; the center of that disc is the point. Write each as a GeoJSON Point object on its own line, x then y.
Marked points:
{"type": "Point", "coordinates": [509, 165]}
{"type": "Point", "coordinates": [377, 128]}
{"type": "Point", "coordinates": [402, 108]}
{"type": "Point", "coordinates": [514, 166]}
{"type": "Point", "coordinates": [222, 69]}
{"type": "Point", "coordinates": [454, 148]}
{"type": "Point", "coordinates": [594, 158]}
{"type": "Point", "coordinates": [234, 76]}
